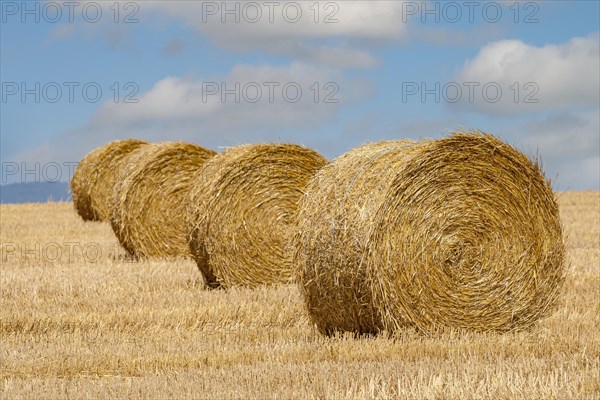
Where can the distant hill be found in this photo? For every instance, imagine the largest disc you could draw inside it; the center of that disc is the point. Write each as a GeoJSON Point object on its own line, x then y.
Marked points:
{"type": "Point", "coordinates": [41, 192]}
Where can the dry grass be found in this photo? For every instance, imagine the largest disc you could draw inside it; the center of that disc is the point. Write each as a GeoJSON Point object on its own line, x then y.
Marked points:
{"type": "Point", "coordinates": [460, 232]}
{"type": "Point", "coordinates": [95, 177]}
{"type": "Point", "coordinates": [96, 325]}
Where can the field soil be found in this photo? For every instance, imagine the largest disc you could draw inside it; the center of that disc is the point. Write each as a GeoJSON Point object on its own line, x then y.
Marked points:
{"type": "Point", "coordinates": [79, 319]}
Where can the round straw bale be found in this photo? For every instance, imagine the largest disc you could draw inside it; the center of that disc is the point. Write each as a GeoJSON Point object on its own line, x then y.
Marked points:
{"type": "Point", "coordinates": [460, 232]}
{"type": "Point", "coordinates": [242, 208]}
{"type": "Point", "coordinates": [93, 181]}
{"type": "Point", "coordinates": [150, 199]}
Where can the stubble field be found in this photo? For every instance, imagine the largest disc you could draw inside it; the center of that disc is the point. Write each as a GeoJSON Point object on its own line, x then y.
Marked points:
{"type": "Point", "coordinates": [78, 319]}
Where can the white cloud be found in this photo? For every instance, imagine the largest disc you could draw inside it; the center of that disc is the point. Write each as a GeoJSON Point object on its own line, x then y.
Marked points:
{"type": "Point", "coordinates": [256, 21]}
{"type": "Point", "coordinates": [184, 108]}
{"type": "Point", "coordinates": [568, 144]}
{"type": "Point", "coordinates": [249, 96]}
{"type": "Point", "coordinates": [297, 29]}
{"type": "Point", "coordinates": [558, 76]}
{"type": "Point", "coordinates": [171, 98]}
{"type": "Point", "coordinates": [333, 33]}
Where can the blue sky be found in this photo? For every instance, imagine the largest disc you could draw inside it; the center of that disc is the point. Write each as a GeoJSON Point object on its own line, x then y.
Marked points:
{"type": "Point", "coordinates": [373, 59]}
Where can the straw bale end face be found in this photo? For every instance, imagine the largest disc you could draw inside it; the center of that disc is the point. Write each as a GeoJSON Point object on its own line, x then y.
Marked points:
{"type": "Point", "coordinates": [93, 181]}
{"type": "Point", "coordinates": [480, 228]}
{"type": "Point", "coordinates": [242, 209]}
{"type": "Point", "coordinates": [151, 199]}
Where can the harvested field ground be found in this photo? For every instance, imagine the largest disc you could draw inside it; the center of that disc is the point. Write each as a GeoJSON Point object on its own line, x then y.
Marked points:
{"type": "Point", "coordinates": [78, 319]}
